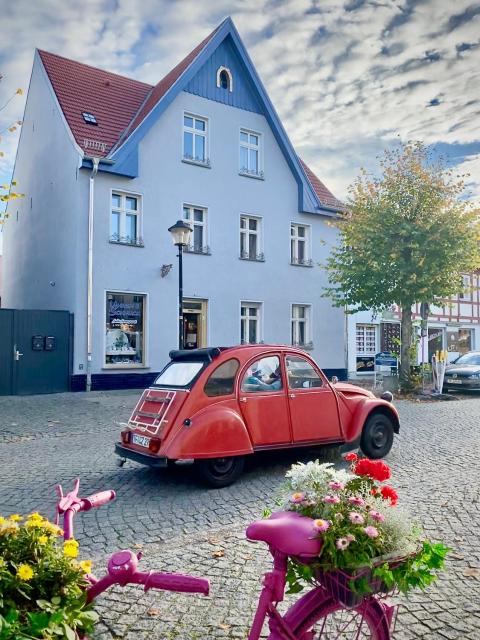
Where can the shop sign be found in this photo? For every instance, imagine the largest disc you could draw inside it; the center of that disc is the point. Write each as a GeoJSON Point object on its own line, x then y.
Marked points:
{"type": "Point", "coordinates": [385, 359]}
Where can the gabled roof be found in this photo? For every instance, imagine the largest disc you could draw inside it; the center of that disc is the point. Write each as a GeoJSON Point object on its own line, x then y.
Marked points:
{"type": "Point", "coordinates": [325, 196]}
{"type": "Point", "coordinates": [125, 109]}
{"type": "Point", "coordinates": [112, 99]}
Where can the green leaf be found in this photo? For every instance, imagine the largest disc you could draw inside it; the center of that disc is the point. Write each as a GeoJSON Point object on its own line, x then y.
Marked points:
{"type": "Point", "coordinates": [69, 632]}
{"type": "Point", "coordinates": [56, 600]}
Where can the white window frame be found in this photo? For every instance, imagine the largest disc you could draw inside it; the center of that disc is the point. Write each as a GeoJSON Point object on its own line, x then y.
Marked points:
{"type": "Point", "coordinates": [230, 77]}
{"type": "Point", "coordinates": [372, 328]}
{"type": "Point", "coordinates": [248, 145]}
{"type": "Point", "coordinates": [134, 365]}
{"type": "Point", "coordinates": [296, 320]}
{"type": "Point", "coordinates": [196, 132]}
{"type": "Point", "coordinates": [259, 317]}
{"type": "Point", "coordinates": [307, 240]}
{"type": "Point", "coordinates": [205, 249]}
{"type": "Point", "coordinates": [259, 257]}
{"type": "Point", "coordinates": [123, 212]}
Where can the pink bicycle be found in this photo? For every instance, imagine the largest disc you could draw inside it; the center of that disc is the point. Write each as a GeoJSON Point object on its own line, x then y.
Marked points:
{"type": "Point", "coordinates": [330, 610]}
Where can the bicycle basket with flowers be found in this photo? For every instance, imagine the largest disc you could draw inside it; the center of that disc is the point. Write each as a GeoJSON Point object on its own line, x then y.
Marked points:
{"type": "Point", "coordinates": [370, 545]}
{"type": "Point", "coordinates": [42, 586]}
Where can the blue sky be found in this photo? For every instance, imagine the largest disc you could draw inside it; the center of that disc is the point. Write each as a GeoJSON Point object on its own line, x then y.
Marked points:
{"type": "Point", "coordinates": [347, 77]}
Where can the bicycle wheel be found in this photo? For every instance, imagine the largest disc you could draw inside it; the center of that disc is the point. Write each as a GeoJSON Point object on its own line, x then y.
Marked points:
{"type": "Point", "coordinates": [318, 616]}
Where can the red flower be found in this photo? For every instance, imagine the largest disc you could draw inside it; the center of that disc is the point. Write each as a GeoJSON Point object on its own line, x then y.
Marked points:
{"type": "Point", "coordinates": [351, 457]}
{"type": "Point", "coordinates": [388, 493]}
{"type": "Point", "coordinates": [375, 469]}
{"type": "Point", "coordinates": [374, 491]}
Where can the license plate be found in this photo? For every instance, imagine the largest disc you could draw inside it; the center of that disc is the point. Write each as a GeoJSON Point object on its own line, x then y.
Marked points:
{"type": "Point", "coordinates": [454, 381]}
{"type": "Point", "coordinates": [143, 441]}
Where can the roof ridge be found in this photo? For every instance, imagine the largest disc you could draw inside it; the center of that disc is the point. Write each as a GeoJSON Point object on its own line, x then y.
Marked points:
{"type": "Point", "coordinates": [90, 66]}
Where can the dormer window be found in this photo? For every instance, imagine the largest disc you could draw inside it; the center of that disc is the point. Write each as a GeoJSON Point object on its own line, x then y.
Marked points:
{"type": "Point", "coordinates": [89, 117]}
{"type": "Point", "coordinates": [224, 79]}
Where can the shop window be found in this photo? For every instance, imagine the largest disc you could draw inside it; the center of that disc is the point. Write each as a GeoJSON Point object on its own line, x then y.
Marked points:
{"type": "Point", "coordinates": [222, 380]}
{"type": "Point", "coordinates": [459, 340]}
{"type": "Point", "coordinates": [366, 347]}
{"type": "Point", "coordinates": [125, 330]}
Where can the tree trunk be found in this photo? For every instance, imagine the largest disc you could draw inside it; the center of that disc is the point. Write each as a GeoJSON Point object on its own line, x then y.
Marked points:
{"type": "Point", "coordinates": [406, 336]}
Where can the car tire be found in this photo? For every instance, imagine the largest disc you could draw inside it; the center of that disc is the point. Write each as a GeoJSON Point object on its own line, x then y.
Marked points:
{"type": "Point", "coordinates": [220, 472]}
{"type": "Point", "coordinates": [377, 436]}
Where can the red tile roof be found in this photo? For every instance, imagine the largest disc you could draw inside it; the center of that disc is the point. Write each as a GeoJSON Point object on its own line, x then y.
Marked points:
{"type": "Point", "coordinates": [112, 99]}
{"type": "Point", "coordinates": [325, 196]}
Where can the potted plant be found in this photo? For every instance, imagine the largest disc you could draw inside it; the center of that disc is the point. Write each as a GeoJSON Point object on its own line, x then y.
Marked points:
{"type": "Point", "coordinates": [370, 544]}
{"type": "Point", "coordinates": [42, 586]}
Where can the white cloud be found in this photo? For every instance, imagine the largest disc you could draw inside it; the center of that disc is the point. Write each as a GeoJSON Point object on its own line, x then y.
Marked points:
{"type": "Point", "coordinates": [345, 83]}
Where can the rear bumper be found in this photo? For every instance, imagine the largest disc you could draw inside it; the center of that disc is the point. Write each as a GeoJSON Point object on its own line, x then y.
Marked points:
{"type": "Point", "coordinates": [141, 458]}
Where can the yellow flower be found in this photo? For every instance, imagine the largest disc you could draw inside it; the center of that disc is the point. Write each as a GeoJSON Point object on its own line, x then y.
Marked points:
{"type": "Point", "coordinates": [8, 527]}
{"type": "Point", "coordinates": [25, 572]}
{"type": "Point", "coordinates": [70, 548]}
{"type": "Point", "coordinates": [2, 519]}
{"type": "Point", "coordinates": [52, 528]}
{"type": "Point", "coordinates": [15, 517]}
{"type": "Point", "coordinates": [86, 566]}
{"type": "Point", "coordinates": [43, 540]}
{"type": "Point", "coordinates": [34, 520]}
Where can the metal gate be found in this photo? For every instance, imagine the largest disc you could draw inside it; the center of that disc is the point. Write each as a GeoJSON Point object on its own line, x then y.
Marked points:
{"type": "Point", "coordinates": [35, 351]}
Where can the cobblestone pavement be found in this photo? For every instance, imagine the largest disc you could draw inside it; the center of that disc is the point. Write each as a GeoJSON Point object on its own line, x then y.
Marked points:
{"type": "Point", "coordinates": [182, 526]}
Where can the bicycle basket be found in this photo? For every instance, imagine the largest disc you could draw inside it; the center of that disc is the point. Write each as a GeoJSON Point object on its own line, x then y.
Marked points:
{"type": "Point", "coordinates": [351, 586]}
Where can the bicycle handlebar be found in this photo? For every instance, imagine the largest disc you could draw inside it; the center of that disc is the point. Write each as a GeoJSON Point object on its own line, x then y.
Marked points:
{"type": "Point", "coordinates": [97, 499]}
{"type": "Point", "coordinates": [175, 582]}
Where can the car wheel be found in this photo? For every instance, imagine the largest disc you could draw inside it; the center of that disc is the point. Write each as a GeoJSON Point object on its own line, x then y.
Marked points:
{"type": "Point", "coordinates": [220, 472]}
{"type": "Point", "coordinates": [377, 436]}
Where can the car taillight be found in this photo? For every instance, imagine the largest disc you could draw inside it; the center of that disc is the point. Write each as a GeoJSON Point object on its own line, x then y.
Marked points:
{"type": "Point", "coordinates": [125, 436]}
{"type": "Point", "coordinates": [154, 445]}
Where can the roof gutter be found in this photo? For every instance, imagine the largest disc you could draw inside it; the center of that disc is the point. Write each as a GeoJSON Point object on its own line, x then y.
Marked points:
{"type": "Point", "coordinates": [95, 163]}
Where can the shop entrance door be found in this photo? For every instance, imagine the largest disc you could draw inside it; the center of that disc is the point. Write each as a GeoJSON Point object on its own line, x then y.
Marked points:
{"type": "Point", "coordinates": [194, 324]}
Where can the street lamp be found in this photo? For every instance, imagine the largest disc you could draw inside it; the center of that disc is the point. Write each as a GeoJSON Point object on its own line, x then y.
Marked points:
{"type": "Point", "coordinates": [181, 238]}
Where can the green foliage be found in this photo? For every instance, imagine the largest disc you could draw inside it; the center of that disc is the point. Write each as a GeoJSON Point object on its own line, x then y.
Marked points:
{"type": "Point", "coordinates": [407, 237]}
{"type": "Point", "coordinates": [42, 587]}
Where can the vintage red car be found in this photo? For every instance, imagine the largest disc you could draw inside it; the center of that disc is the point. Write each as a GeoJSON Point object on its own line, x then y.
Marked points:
{"type": "Point", "coordinates": [215, 406]}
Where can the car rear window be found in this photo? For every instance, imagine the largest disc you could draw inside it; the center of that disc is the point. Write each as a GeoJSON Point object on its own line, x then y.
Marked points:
{"type": "Point", "coordinates": [179, 374]}
{"type": "Point", "coordinates": [222, 380]}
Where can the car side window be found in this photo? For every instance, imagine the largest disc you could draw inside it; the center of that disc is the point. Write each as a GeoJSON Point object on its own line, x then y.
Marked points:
{"type": "Point", "coordinates": [301, 374]}
{"type": "Point", "coordinates": [222, 381]}
{"type": "Point", "coordinates": [263, 375]}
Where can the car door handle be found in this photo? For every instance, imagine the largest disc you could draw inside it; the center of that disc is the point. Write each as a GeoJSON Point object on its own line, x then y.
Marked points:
{"type": "Point", "coordinates": [243, 400]}
{"type": "Point", "coordinates": [292, 395]}
{"type": "Point", "coordinates": [16, 353]}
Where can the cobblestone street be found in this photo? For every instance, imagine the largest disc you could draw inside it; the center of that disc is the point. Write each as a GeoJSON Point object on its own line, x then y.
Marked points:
{"type": "Point", "coordinates": [182, 526]}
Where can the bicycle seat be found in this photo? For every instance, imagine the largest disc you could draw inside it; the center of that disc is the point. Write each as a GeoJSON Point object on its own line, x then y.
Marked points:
{"type": "Point", "coordinates": [289, 533]}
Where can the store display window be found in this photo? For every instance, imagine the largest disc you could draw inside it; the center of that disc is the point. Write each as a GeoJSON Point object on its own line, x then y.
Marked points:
{"type": "Point", "coordinates": [125, 329]}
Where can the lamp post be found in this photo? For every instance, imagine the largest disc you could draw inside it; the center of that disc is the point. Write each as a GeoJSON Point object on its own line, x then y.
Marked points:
{"type": "Point", "coordinates": [180, 232]}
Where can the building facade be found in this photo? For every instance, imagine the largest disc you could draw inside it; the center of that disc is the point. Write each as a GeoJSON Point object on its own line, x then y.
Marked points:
{"type": "Point", "coordinates": [109, 163]}
{"type": "Point", "coordinates": [453, 326]}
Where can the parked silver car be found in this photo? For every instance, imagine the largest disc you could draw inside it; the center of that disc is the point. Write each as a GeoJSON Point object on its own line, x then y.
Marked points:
{"type": "Point", "coordinates": [463, 373]}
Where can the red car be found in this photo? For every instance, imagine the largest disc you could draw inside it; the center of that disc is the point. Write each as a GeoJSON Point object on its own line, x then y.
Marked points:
{"type": "Point", "coordinates": [217, 405]}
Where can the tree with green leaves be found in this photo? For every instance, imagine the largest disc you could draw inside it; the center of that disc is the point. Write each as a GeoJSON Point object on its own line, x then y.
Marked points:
{"type": "Point", "coordinates": [406, 237]}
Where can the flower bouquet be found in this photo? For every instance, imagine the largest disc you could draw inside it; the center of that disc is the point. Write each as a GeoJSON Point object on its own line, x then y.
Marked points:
{"type": "Point", "coordinates": [370, 544]}
{"type": "Point", "coordinates": [42, 586]}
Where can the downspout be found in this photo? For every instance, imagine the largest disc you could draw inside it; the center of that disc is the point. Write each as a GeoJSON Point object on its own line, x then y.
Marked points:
{"type": "Point", "coordinates": [95, 162]}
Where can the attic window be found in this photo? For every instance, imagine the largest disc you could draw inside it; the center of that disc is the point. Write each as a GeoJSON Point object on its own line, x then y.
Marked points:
{"type": "Point", "coordinates": [224, 79]}
{"type": "Point", "coordinates": [89, 117]}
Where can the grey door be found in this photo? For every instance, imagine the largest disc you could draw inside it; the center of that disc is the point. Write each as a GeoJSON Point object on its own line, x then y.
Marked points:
{"type": "Point", "coordinates": [6, 352]}
{"type": "Point", "coordinates": [36, 358]}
